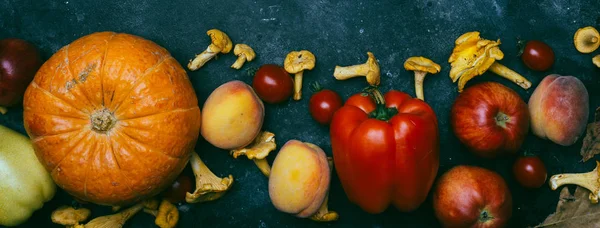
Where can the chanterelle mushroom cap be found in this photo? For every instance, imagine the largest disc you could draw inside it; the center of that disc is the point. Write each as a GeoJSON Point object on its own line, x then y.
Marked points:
{"type": "Point", "coordinates": [472, 56]}
{"type": "Point", "coordinates": [221, 40]}
{"type": "Point", "coordinates": [297, 61]}
{"type": "Point", "coordinates": [596, 60]}
{"type": "Point", "coordinates": [373, 76]}
{"type": "Point", "coordinates": [420, 63]}
{"type": "Point", "coordinates": [243, 49]}
{"type": "Point", "coordinates": [586, 39]}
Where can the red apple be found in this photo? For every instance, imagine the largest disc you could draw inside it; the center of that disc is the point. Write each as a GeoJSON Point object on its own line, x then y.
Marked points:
{"type": "Point", "coordinates": [19, 62]}
{"type": "Point", "coordinates": [490, 119]}
{"type": "Point", "coordinates": [470, 196]}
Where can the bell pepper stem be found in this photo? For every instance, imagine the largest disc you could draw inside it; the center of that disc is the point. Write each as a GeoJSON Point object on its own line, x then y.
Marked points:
{"type": "Point", "coordinates": [509, 74]}
{"type": "Point", "coordinates": [590, 181]}
{"type": "Point", "coordinates": [3, 110]}
{"type": "Point", "coordinates": [209, 187]}
{"type": "Point", "coordinates": [381, 112]}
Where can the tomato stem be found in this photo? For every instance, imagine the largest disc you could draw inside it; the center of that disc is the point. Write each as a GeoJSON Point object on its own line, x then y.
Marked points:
{"type": "Point", "coordinates": [316, 87]}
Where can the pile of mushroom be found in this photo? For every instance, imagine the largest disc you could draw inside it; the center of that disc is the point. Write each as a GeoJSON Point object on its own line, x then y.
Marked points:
{"type": "Point", "coordinates": [221, 43]}
{"type": "Point", "coordinates": [472, 56]}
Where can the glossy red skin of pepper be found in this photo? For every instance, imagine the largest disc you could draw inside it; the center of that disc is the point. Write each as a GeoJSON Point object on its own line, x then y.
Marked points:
{"type": "Point", "coordinates": [382, 163]}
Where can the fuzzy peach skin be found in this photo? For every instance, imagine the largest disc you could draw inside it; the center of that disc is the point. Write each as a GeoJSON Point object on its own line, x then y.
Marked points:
{"type": "Point", "coordinates": [232, 116]}
{"type": "Point", "coordinates": [299, 179]}
{"type": "Point", "coordinates": [559, 109]}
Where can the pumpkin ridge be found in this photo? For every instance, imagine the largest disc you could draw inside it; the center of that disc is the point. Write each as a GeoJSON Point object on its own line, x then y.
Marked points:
{"type": "Point", "coordinates": [158, 113]}
{"type": "Point", "coordinates": [125, 179]}
{"type": "Point", "coordinates": [73, 77]}
{"type": "Point", "coordinates": [139, 79]}
{"type": "Point", "coordinates": [147, 146]}
{"type": "Point", "coordinates": [48, 114]}
{"type": "Point", "coordinates": [102, 66]}
{"type": "Point", "coordinates": [39, 140]}
{"type": "Point", "coordinates": [34, 84]}
{"type": "Point", "coordinates": [87, 135]}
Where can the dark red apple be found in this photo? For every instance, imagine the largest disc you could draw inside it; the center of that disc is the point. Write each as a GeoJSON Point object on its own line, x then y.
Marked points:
{"type": "Point", "coordinates": [19, 62]}
{"type": "Point", "coordinates": [470, 196]}
{"type": "Point", "coordinates": [490, 119]}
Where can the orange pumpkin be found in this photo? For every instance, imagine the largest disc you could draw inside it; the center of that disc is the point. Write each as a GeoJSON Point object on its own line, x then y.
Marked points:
{"type": "Point", "coordinates": [113, 118]}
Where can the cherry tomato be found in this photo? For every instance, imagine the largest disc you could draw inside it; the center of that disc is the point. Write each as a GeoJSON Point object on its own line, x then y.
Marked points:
{"type": "Point", "coordinates": [323, 104]}
{"type": "Point", "coordinates": [537, 55]}
{"type": "Point", "coordinates": [530, 171]}
{"type": "Point", "coordinates": [273, 84]}
{"type": "Point", "coordinates": [176, 193]}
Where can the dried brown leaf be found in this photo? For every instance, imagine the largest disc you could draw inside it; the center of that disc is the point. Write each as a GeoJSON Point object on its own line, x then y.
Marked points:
{"type": "Point", "coordinates": [591, 142]}
{"type": "Point", "coordinates": [574, 211]}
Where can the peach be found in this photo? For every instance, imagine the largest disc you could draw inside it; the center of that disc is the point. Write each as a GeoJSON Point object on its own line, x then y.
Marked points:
{"type": "Point", "coordinates": [559, 109]}
{"type": "Point", "coordinates": [299, 180]}
{"type": "Point", "coordinates": [232, 116]}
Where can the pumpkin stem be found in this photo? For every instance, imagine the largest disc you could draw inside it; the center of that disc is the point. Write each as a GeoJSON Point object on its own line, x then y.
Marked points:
{"type": "Point", "coordinates": [103, 120]}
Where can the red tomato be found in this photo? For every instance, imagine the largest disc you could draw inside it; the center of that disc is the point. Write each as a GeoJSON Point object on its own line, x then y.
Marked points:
{"type": "Point", "coordinates": [176, 193]}
{"type": "Point", "coordinates": [537, 55]}
{"type": "Point", "coordinates": [386, 151]}
{"type": "Point", "coordinates": [323, 104]}
{"type": "Point", "coordinates": [273, 84]}
{"type": "Point", "coordinates": [530, 171]}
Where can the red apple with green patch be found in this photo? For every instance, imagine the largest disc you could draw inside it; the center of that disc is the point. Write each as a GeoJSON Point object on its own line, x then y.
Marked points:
{"type": "Point", "coordinates": [490, 119]}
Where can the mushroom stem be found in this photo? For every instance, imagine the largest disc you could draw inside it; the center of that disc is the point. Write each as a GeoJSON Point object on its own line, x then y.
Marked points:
{"type": "Point", "coordinates": [258, 151]}
{"type": "Point", "coordinates": [592, 39]}
{"type": "Point", "coordinates": [323, 214]}
{"type": "Point", "coordinates": [3, 110]}
{"type": "Point", "coordinates": [419, 78]}
{"type": "Point", "coordinates": [201, 59]}
{"type": "Point", "coordinates": [115, 220]}
{"type": "Point", "coordinates": [346, 72]}
{"type": "Point", "coordinates": [239, 62]}
{"type": "Point", "coordinates": [590, 181]}
{"type": "Point", "coordinates": [208, 186]}
{"type": "Point", "coordinates": [509, 74]}
{"type": "Point", "coordinates": [263, 165]}
{"type": "Point", "coordinates": [298, 86]}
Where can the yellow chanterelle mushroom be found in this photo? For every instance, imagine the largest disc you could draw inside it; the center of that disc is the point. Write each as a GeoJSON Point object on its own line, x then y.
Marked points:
{"type": "Point", "coordinates": [370, 70]}
{"type": "Point", "coordinates": [244, 54]}
{"type": "Point", "coordinates": [220, 43]}
{"type": "Point", "coordinates": [596, 60]}
{"type": "Point", "coordinates": [586, 39]}
{"type": "Point", "coordinates": [421, 66]}
{"type": "Point", "coordinates": [472, 56]}
{"type": "Point", "coordinates": [295, 63]}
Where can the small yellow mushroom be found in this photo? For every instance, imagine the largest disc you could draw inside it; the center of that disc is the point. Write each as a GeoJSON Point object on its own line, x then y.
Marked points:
{"type": "Point", "coordinates": [115, 220]}
{"type": "Point", "coordinates": [244, 53]}
{"type": "Point", "coordinates": [369, 69]}
{"type": "Point", "coordinates": [421, 66]}
{"type": "Point", "coordinates": [586, 39]}
{"type": "Point", "coordinates": [596, 60]}
{"type": "Point", "coordinates": [220, 43]}
{"type": "Point", "coordinates": [69, 216]}
{"type": "Point", "coordinates": [258, 151]}
{"type": "Point", "coordinates": [296, 62]}
{"type": "Point", "coordinates": [472, 56]}
{"type": "Point", "coordinates": [323, 214]}
{"type": "Point", "coordinates": [167, 215]}
{"type": "Point", "coordinates": [590, 181]}
{"type": "Point", "coordinates": [208, 186]}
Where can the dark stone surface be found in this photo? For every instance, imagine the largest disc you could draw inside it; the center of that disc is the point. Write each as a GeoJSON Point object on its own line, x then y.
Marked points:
{"type": "Point", "coordinates": [338, 33]}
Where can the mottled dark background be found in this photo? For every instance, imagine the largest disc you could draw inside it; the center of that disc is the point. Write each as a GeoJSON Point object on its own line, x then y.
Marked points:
{"type": "Point", "coordinates": [338, 33]}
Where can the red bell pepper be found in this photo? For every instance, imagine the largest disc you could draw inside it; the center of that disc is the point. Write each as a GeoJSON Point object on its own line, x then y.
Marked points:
{"type": "Point", "coordinates": [385, 150]}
